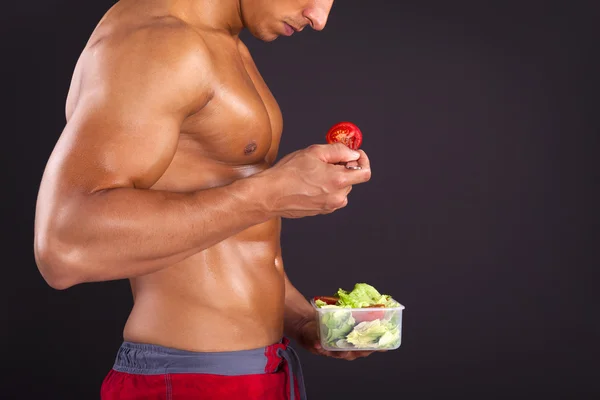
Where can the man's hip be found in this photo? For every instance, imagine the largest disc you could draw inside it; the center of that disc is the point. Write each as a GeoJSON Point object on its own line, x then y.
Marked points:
{"type": "Point", "coordinates": [145, 371]}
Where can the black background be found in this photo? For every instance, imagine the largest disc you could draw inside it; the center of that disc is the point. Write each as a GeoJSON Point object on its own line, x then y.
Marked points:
{"type": "Point", "coordinates": [481, 121]}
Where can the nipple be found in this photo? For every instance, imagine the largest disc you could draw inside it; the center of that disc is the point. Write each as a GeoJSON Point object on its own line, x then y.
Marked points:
{"type": "Point", "coordinates": [251, 148]}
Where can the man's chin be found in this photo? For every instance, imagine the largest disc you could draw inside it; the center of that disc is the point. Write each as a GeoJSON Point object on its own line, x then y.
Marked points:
{"type": "Point", "coordinates": [264, 36]}
{"type": "Point", "coordinates": [267, 38]}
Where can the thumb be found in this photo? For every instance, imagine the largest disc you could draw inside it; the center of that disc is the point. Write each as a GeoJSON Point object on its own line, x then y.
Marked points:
{"type": "Point", "coordinates": [317, 349]}
{"type": "Point", "coordinates": [336, 153]}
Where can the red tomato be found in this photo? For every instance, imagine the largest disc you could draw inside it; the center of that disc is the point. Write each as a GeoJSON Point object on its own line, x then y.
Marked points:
{"type": "Point", "coordinates": [327, 299]}
{"type": "Point", "coordinates": [362, 316]}
{"type": "Point", "coordinates": [346, 133]}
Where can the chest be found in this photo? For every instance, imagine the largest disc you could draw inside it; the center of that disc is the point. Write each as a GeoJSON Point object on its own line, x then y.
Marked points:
{"type": "Point", "coordinates": [242, 123]}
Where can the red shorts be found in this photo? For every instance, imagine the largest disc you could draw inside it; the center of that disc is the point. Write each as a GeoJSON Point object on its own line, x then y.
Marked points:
{"type": "Point", "coordinates": [150, 372]}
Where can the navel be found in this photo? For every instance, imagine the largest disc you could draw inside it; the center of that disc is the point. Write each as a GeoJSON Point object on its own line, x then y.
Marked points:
{"type": "Point", "coordinates": [251, 148]}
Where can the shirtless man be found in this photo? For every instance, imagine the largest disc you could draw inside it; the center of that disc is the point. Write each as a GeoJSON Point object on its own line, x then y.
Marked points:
{"type": "Point", "coordinates": [165, 175]}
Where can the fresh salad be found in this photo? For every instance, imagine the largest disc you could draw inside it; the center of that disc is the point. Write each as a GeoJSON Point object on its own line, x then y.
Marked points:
{"type": "Point", "coordinates": [375, 327]}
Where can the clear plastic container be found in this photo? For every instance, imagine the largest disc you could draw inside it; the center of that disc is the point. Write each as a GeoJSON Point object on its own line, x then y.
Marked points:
{"type": "Point", "coordinates": [359, 329]}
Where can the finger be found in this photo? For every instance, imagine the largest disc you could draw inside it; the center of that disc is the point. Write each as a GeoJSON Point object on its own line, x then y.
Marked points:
{"type": "Point", "coordinates": [352, 165]}
{"type": "Point", "coordinates": [356, 176]}
{"type": "Point", "coordinates": [340, 354]}
{"type": "Point", "coordinates": [358, 354]}
{"type": "Point", "coordinates": [319, 351]}
{"type": "Point", "coordinates": [335, 153]}
{"type": "Point", "coordinates": [349, 177]}
{"type": "Point", "coordinates": [340, 199]}
{"type": "Point", "coordinates": [364, 162]}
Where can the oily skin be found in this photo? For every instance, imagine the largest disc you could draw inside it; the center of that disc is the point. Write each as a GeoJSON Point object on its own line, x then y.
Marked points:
{"type": "Point", "coordinates": [165, 175]}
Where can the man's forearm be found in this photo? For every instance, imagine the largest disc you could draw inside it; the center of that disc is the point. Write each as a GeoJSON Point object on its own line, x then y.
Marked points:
{"type": "Point", "coordinates": [298, 310]}
{"type": "Point", "coordinates": [127, 232]}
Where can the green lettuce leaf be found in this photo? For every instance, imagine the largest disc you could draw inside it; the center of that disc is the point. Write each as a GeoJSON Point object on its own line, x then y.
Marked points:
{"type": "Point", "coordinates": [320, 303]}
{"type": "Point", "coordinates": [362, 295]}
{"type": "Point", "coordinates": [374, 334]}
{"type": "Point", "coordinates": [337, 324]}
{"type": "Point", "coordinates": [390, 339]}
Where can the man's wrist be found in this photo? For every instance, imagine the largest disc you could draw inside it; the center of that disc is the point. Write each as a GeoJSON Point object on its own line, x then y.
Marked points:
{"type": "Point", "coordinates": [294, 327]}
{"type": "Point", "coordinates": [254, 194]}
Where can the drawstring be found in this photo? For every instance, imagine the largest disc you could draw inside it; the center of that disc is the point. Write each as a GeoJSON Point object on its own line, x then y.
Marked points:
{"type": "Point", "coordinates": [295, 371]}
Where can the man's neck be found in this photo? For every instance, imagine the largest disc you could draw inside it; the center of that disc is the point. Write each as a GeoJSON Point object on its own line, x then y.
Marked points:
{"type": "Point", "coordinates": [218, 15]}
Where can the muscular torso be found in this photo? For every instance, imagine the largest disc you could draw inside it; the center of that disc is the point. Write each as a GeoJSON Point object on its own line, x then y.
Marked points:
{"type": "Point", "coordinates": [229, 296]}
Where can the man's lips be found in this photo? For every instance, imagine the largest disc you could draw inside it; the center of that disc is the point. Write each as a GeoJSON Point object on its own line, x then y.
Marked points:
{"type": "Point", "coordinates": [289, 30]}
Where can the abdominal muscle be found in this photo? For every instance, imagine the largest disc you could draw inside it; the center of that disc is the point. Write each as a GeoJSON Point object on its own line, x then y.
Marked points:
{"type": "Point", "coordinates": [228, 297]}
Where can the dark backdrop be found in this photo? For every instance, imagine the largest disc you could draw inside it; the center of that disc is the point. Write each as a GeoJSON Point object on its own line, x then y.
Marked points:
{"type": "Point", "coordinates": [480, 121]}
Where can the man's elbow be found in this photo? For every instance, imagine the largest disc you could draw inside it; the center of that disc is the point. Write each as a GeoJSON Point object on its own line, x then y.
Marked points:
{"type": "Point", "coordinates": [57, 267]}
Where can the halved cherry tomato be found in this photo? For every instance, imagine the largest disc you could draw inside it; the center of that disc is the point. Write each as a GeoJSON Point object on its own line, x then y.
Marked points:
{"type": "Point", "coordinates": [346, 133]}
{"type": "Point", "coordinates": [327, 299]}
{"type": "Point", "coordinates": [362, 316]}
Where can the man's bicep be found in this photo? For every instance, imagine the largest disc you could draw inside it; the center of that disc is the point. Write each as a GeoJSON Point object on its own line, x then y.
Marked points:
{"type": "Point", "coordinates": [126, 124]}
{"type": "Point", "coordinates": [103, 148]}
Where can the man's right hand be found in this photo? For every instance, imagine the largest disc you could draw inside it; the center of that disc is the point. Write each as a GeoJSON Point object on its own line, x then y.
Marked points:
{"type": "Point", "coordinates": [308, 182]}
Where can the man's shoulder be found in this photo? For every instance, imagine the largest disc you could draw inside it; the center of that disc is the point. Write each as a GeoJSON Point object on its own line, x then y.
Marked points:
{"type": "Point", "coordinates": [163, 60]}
{"type": "Point", "coordinates": [166, 41]}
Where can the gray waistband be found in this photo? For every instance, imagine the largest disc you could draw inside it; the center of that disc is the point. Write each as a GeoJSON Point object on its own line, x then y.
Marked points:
{"type": "Point", "coordinates": [148, 359]}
